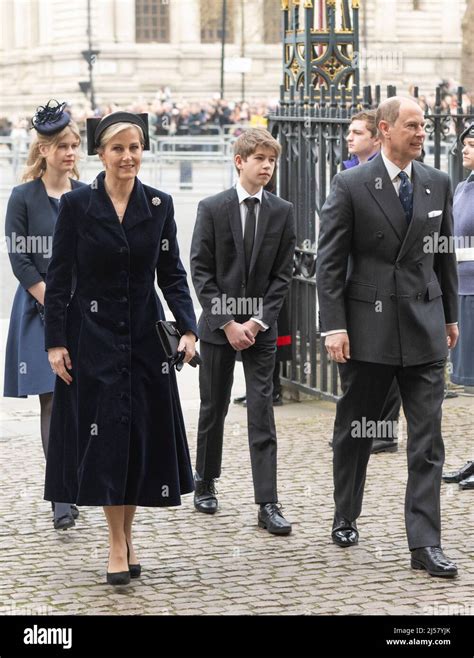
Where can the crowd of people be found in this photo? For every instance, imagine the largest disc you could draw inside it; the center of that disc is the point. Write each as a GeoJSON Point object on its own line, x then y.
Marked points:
{"type": "Point", "coordinates": [170, 116]}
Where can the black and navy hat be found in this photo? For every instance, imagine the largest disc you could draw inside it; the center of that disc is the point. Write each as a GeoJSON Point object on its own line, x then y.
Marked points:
{"type": "Point", "coordinates": [51, 118]}
{"type": "Point", "coordinates": [468, 132]}
{"type": "Point", "coordinates": [95, 128]}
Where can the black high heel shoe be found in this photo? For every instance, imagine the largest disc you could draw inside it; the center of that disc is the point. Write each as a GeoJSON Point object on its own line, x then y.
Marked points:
{"type": "Point", "coordinates": [135, 569]}
{"type": "Point", "coordinates": [118, 577]}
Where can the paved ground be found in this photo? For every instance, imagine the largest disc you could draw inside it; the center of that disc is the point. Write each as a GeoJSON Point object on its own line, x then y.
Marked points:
{"type": "Point", "coordinates": [194, 564]}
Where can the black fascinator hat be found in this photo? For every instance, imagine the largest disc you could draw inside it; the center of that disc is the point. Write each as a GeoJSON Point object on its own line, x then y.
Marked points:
{"type": "Point", "coordinates": [51, 118]}
{"type": "Point", "coordinates": [95, 128]}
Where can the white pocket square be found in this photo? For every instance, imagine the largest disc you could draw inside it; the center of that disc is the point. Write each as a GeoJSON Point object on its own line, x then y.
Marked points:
{"type": "Point", "coordinates": [435, 213]}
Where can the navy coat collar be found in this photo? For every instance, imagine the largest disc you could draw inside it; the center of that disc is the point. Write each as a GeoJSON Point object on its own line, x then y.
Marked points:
{"type": "Point", "coordinates": [38, 196]}
{"type": "Point", "coordinates": [101, 206]}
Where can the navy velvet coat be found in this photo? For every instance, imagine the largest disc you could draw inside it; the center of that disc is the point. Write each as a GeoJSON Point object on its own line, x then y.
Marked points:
{"type": "Point", "coordinates": [117, 432]}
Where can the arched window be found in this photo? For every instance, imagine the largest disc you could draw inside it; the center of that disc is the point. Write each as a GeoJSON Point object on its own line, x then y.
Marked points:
{"type": "Point", "coordinates": [211, 21]}
{"type": "Point", "coordinates": [152, 21]}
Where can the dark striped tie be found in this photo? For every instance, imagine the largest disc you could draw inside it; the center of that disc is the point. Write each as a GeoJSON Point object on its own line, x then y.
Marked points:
{"type": "Point", "coordinates": [249, 232]}
{"type": "Point", "coordinates": [405, 194]}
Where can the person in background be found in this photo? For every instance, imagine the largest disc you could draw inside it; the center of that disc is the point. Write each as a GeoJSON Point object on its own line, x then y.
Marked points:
{"type": "Point", "coordinates": [462, 356]}
{"type": "Point", "coordinates": [32, 211]}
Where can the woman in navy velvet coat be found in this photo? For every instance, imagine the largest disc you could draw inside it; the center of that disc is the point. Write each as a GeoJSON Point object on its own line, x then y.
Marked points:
{"type": "Point", "coordinates": [117, 432]}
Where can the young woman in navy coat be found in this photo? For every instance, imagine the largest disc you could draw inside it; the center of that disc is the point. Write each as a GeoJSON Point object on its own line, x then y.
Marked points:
{"type": "Point", "coordinates": [117, 431]}
{"type": "Point", "coordinates": [31, 215]}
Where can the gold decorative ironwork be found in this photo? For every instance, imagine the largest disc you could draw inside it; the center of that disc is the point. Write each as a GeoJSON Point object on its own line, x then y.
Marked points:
{"type": "Point", "coordinates": [323, 56]}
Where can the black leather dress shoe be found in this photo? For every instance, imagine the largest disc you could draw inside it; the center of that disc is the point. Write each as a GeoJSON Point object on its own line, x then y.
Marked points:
{"type": "Point", "coordinates": [205, 496]}
{"type": "Point", "coordinates": [271, 518]}
{"type": "Point", "coordinates": [379, 445]}
{"type": "Point", "coordinates": [64, 522]}
{"type": "Point", "coordinates": [434, 561]}
{"type": "Point", "coordinates": [468, 483]}
{"type": "Point", "coordinates": [464, 472]}
{"type": "Point", "coordinates": [242, 399]}
{"type": "Point", "coordinates": [344, 532]}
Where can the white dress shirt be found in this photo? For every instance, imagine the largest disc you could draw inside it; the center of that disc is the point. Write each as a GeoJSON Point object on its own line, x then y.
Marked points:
{"type": "Point", "coordinates": [242, 195]}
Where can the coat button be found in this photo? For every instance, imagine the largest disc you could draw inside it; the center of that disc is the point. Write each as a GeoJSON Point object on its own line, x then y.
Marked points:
{"type": "Point", "coordinates": [124, 371]}
{"type": "Point", "coordinates": [123, 396]}
{"type": "Point", "coordinates": [123, 299]}
{"type": "Point", "coordinates": [124, 419]}
{"type": "Point", "coordinates": [379, 234]}
{"type": "Point", "coordinates": [393, 296]}
{"type": "Point", "coordinates": [419, 265]}
{"type": "Point", "coordinates": [418, 295]}
{"type": "Point", "coordinates": [121, 324]}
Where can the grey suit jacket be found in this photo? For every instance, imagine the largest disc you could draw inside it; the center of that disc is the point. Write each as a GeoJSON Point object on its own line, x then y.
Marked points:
{"type": "Point", "coordinates": [218, 263]}
{"type": "Point", "coordinates": [29, 214]}
{"type": "Point", "coordinates": [381, 280]}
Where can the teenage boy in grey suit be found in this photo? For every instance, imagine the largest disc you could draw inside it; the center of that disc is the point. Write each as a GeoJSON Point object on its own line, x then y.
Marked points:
{"type": "Point", "coordinates": [241, 264]}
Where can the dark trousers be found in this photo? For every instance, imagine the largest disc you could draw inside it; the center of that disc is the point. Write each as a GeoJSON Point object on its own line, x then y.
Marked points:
{"type": "Point", "coordinates": [216, 376]}
{"type": "Point", "coordinates": [393, 402]}
{"type": "Point", "coordinates": [365, 388]}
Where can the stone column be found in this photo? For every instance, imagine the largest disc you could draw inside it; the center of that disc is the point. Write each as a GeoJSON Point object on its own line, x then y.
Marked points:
{"type": "Point", "coordinates": [185, 22]}
{"type": "Point", "coordinates": [124, 23]}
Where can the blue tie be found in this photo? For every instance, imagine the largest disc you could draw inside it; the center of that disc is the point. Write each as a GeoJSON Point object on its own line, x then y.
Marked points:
{"type": "Point", "coordinates": [405, 194]}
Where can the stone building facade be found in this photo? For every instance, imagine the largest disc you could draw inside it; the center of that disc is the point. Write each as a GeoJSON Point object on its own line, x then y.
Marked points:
{"type": "Point", "coordinates": [146, 45]}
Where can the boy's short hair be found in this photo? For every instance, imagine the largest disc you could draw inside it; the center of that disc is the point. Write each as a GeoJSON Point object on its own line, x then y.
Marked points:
{"type": "Point", "coordinates": [248, 142]}
{"type": "Point", "coordinates": [368, 116]}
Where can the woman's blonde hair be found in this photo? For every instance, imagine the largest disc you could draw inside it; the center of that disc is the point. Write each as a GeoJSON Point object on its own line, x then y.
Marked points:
{"type": "Point", "coordinates": [116, 128]}
{"type": "Point", "coordinates": [36, 163]}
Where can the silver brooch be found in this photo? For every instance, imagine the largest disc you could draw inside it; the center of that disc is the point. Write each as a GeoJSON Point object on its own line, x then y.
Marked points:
{"type": "Point", "coordinates": [427, 191]}
{"type": "Point", "coordinates": [156, 201]}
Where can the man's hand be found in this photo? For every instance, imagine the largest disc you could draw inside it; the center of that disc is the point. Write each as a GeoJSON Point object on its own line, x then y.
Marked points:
{"type": "Point", "coordinates": [452, 333]}
{"type": "Point", "coordinates": [239, 335]}
{"type": "Point", "coordinates": [253, 326]}
{"type": "Point", "coordinates": [337, 347]}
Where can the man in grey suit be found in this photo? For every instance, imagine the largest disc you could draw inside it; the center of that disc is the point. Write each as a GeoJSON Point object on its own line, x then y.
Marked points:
{"type": "Point", "coordinates": [388, 307]}
{"type": "Point", "coordinates": [241, 263]}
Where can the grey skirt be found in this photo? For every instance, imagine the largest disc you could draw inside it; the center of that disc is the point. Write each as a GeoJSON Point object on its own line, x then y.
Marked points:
{"type": "Point", "coordinates": [462, 356]}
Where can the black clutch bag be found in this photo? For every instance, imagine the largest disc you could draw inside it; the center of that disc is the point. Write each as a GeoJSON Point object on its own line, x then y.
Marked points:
{"type": "Point", "coordinates": [169, 336]}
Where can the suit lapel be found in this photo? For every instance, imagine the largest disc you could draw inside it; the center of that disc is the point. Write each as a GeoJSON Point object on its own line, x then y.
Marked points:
{"type": "Point", "coordinates": [262, 223]}
{"type": "Point", "coordinates": [235, 222]}
{"type": "Point", "coordinates": [421, 206]}
{"type": "Point", "coordinates": [381, 188]}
